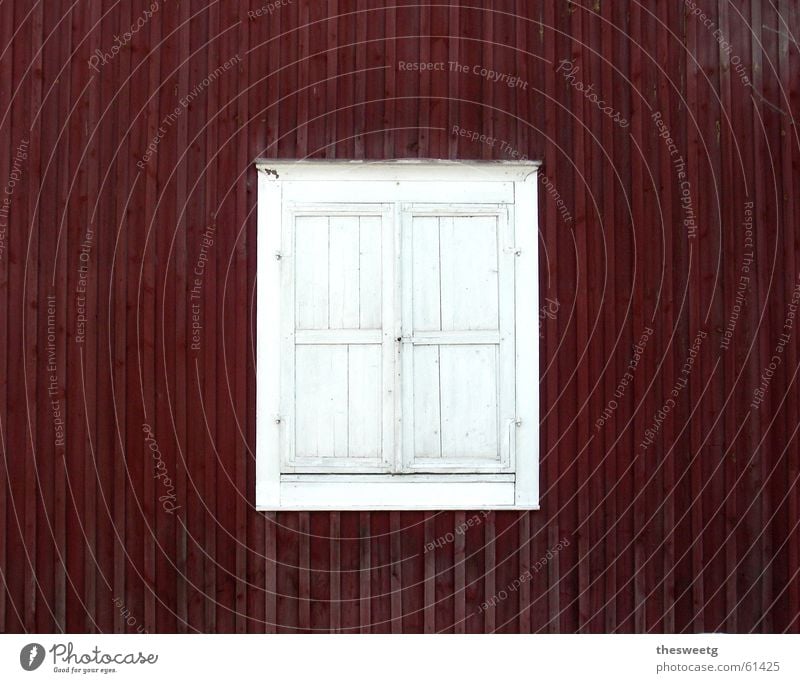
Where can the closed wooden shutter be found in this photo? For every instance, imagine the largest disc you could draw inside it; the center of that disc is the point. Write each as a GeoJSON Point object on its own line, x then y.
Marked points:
{"type": "Point", "coordinates": [341, 372]}
{"type": "Point", "coordinates": [458, 339]}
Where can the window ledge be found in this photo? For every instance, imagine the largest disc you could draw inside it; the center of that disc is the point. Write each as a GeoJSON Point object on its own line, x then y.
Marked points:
{"type": "Point", "coordinates": [393, 492]}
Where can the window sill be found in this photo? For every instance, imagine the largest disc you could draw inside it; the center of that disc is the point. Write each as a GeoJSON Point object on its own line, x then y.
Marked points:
{"type": "Point", "coordinates": [388, 492]}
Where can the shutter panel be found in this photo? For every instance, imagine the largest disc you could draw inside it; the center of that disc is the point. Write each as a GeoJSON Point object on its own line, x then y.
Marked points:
{"type": "Point", "coordinates": [458, 339]}
{"type": "Point", "coordinates": [340, 417]}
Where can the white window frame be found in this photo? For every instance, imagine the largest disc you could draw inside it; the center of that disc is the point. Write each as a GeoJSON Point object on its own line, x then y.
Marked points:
{"type": "Point", "coordinates": [285, 185]}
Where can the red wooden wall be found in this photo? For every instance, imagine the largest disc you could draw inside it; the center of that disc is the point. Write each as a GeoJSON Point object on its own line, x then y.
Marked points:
{"type": "Point", "coordinates": [104, 396]}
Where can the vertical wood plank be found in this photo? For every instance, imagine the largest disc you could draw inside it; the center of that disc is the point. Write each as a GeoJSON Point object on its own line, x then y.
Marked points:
{"type": "Point", "coordinates": [365, 569]}
{"type": "Point", "coordinates": [460, 580]}
{"type": "Point", "coordinates": [490, 589]}
{"type": "Point", "coordinates": [468, 387]}
{"type": "Point", "coordinates": [468, 262]}
{"type": "Point", "coordinates": [788, 63]}
{"type": "Point", "coordinates": [304, 582]}
{"type": "Point", "coordinates": [321, 401]}
{"type": "Point", "coordinates": [312, 283]}
{"type": "Point", "coordinates": [33, 300]}
{"type": "Point", "coordinates": [6, 70]}
{"type": "Point", "coordinates": [206, 384]}
{"type": "Point", "coordinates": [429, 591]}
{"type": "Point", "coordinates": [426, 272]}
{"type": "Point", "coordinates": [270, 574]}
{"type": "Point", "coordinates": [370, 289]}
{"type": "Point", "coordinates": [396, 572]}
{"type": "Point", "coordinates": [364, 401]}
{"type": "Point", "coordinates": [427, 419]}
{"type": "Point", "coordinates": [343, 273]}
{"type": "Point", "coordinates": [336, 572]}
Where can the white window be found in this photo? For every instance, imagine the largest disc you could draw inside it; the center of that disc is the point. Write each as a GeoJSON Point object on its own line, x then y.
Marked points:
{"type": "Point", "coordinates": [398, 356]}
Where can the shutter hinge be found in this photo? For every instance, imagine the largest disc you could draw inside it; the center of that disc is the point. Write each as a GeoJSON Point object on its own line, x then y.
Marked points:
{"type": "Point", "coordinates": [513, 250]}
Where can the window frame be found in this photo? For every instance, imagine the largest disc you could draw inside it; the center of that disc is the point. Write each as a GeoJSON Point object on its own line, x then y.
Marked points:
{"type": "Point", "coordinates": [285, 184]}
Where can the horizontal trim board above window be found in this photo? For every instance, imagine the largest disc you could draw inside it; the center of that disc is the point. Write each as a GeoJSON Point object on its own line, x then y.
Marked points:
{"type": "Point", "coordinates": [398, 169]}
{"type": "Point", "coordinates": [390, 191]}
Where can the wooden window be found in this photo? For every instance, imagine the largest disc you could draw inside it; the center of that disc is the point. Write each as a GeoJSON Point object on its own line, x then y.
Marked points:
{"type": "Point", "coordinates": [397, 332]}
